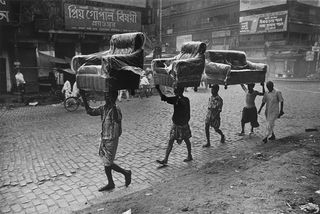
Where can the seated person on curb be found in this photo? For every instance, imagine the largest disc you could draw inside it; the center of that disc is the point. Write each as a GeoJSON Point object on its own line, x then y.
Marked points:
{"type": "Point", "coordinates": [180, 130]}
{"type": "Point", "coordinates": [213, 115]}
{"type": "Point", "coordinates": [111, 130]}
{"type": "Point", "coordinates": [249, 112]}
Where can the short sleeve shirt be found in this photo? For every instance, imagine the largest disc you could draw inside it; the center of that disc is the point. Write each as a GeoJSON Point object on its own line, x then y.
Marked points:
{"type": "Point", "coordinates": [181, 109]}
{"type": "Point", "coordinates": [215, 106]}
{"type": "Point", "coordinates": [272, 100]}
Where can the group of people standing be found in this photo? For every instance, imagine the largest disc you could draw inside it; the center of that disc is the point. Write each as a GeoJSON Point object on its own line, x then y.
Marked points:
{"type": "Point", "coordinates": [111, 117]}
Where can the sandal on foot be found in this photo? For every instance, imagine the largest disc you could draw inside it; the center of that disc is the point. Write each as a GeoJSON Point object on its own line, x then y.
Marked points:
{"type": "Point", "coordinates": [107, 188]}
{"type": "Point", "coordinates": [241, 134]}
{"type": "Point", "coordinates": [206, 145]}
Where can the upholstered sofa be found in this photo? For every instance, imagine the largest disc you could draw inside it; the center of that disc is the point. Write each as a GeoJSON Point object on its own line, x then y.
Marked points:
{"type": "Point", "coordinates": [120, 67]}
{"type": "Point", "coordinates": [183, 70]}
{"type": "Point", "coordinates": [228, 67]}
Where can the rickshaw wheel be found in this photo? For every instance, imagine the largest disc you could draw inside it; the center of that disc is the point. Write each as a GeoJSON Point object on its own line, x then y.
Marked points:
{"type": "Point", "coordinates": [71, 104]}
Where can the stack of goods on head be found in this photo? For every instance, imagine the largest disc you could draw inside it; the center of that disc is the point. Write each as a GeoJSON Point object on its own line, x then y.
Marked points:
{"type": "Point", "coordinates": [227, 67]}
{"type": "Point", "coordinates": [183, 70]}
{"type": "Point", "coordinates": [120, 67]}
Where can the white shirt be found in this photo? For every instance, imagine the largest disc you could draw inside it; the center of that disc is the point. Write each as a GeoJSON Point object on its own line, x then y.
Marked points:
{"type": "Point", "coordinates": [75, 90]}
{"type": "Point", "coordinates": [19, 79]}
{"type": "Point", "coordinates": [144, 81]}
{"type": "Point", "coordinates": [66, 89]}
{"type": "Point", "coordinates": [272, 100]}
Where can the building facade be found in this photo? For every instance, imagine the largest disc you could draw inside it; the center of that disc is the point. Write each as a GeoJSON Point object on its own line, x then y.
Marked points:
{"type": "Point", "coordinates": [58, 30]}
{"type": "Point", "coordinates": [281, 33]}
{"type": "Point", "coordinates": [214, 22]}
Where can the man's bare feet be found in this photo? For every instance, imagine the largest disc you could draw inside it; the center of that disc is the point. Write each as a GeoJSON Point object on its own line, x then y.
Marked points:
{"type": "Point", "coordinates": [189, 158]}
{"type": "Point", "coordinates": [107, 188]}
{"type": "Point", "coordinates": [206, 145]}
{"type": "Point", "coordinates": [162, 162]}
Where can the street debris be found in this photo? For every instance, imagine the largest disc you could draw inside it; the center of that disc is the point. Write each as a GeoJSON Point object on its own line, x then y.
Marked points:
{"type": "Point", "coordinates": [318, 192]}
{"type": "Point", "coordinates": [33, 103]}
{"type": "Point", "coordinates": [127, 212]}
{"type": "Point", "coordinates": [310, 208]}
{"type": "Point", "coordinates": [148, 194]}
{"type": "Point", "coordinates": [185, 209]}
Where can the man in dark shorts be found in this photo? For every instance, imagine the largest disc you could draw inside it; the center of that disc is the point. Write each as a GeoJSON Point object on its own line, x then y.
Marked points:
{"type": "Point", "coordinates": [213, 115]}
{"type": "Point", "coordinates": [180, 130]}
{"type": "Point", "coordinates": [249, 112]}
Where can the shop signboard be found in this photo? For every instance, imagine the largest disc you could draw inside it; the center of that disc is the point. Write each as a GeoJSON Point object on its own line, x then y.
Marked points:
{"type": "Point", "coordinates": [87, 18]}
{"type": "Point", "coordinates": [4, 11]}
{"type": "Point", "coordinates": [182, 39]}
{"type": "Point", "coordinates": [255, 4]}
{"type": "Point", "coordinates": [264, 23]}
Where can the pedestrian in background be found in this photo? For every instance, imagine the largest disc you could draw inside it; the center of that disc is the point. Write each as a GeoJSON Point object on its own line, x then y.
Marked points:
{"type": "Point", "coordinates": [121, 92]}
{"type": "Point", "coordinates": [272, 98]}
{"type": "Point", "coordinates": [180, 130]}
{"type": "Point", "coordinates": [75, 90]}
{"type": "Point", "coordinates": [66, 89]}
{"type": "Point", "coordinates": [213, 115]}
{"type": "Point", "coordinates": [249, 112]}
{"type": "Point", "coordinates": [21, 83]}
{"type": "Point", "coordinates": [144, 85]}
{"type": "Point", "coordinates": [52, 80]}
{"type": "Point", "coordinates": [111, 131]}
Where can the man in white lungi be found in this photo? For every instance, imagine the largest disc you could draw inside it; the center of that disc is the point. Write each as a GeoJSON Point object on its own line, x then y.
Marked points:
{"type": "Point", "coordinates": [271, 99]}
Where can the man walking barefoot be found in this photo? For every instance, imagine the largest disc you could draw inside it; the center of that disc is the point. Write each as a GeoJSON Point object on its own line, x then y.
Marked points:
{"type": "Point", "coordinates": [249, 112]}
{"type": "Point", "coordinates": [271, 99]}
{"type": "Point", "coordinates": [213, 115]}
{"type": "Point", "coordinates": [111, 130]}
{"type": "Point", "coordinates": [180, 130]}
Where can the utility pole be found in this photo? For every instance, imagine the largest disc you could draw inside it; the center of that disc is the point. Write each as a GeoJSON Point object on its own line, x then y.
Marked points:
{"type": "Point", "coordinates": [160, 27]}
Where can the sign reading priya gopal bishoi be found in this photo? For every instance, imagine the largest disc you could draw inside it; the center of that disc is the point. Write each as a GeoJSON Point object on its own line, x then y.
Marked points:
{"type": "Point", "coordinates": [78, 17]}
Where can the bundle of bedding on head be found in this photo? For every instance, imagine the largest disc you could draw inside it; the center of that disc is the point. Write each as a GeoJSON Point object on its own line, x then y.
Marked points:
{"type": "Point", "coordinates": [183, 70]}
{"type": "Point", "coordinates": [120, 67]}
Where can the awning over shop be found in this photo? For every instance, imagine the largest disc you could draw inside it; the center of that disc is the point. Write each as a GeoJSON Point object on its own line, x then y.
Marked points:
{"type": "Point", "coordinates": [46, 63]}
{"type": "Point", "coordinates": [47, 59]}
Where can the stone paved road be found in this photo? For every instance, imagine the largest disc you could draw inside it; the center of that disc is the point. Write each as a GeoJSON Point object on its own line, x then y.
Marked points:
{"type": "Point", "coordinates": [49, 162]}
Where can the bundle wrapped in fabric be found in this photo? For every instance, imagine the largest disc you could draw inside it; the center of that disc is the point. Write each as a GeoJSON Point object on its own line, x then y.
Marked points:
{"type": "Point", "coordinates": [183, 70]}
{"type": "Point", "coordinates": [236, 69]}
{"type": "Point", "coordinates": [120, 67]}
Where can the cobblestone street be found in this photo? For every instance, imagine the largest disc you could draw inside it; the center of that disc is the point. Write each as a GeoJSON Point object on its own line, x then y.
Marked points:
{"type": "Point", "coordinates": [49, 157]}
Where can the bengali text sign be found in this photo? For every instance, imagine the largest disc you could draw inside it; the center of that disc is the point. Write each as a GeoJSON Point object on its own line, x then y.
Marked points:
{"type": "Point", "coordinates": [263, 23]}
{"type": "Point", "coordinates": [79, 17]}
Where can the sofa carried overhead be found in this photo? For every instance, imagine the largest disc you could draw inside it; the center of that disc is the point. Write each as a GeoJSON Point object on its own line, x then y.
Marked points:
{"type": "Point", "coordinates": [228, 67]}
{"type": "Point", "coordinates": [183, 70]}
{"type": "Point", "coordinates": [120, 67]}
